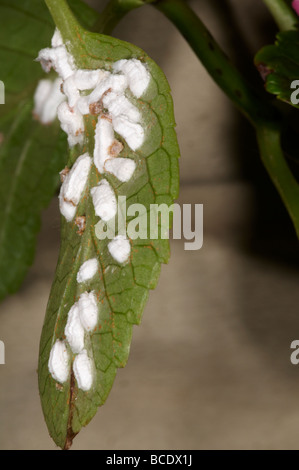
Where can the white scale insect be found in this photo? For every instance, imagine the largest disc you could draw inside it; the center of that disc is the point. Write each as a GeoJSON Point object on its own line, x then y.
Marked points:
{"type": "Point", "coordinates": [63, 98]}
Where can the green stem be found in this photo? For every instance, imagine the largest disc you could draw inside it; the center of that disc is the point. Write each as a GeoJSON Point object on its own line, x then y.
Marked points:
{"type": "Point", "coordinates": [283, 14]}
{"type": "Point", "coordinates": [72, 31]}
{"type": "Point", "coordinates": [255, 108]}
{"type": "Point", "coordinates": [63, 17]}
{"type": "Point", "coordinates": [67, 24]}
{"type": "Point", "coordinates": [268, 137]}
{"type": "Point", "coordinates": [253, 105]}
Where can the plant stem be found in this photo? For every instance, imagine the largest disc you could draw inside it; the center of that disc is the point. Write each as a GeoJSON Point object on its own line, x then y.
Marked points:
{"type": "Point", "coordinates": [268, 137]}
{"type": "Point", "coordinates": [72, 31]}
{"type": "Point", "coordinates": [67, 24]}
{"type": "Point", "coordinates": [255, 108]}
{"type": "Point", "coordinates": [252, 104]}
{"type": "Point", "coordinates": [283, 14]}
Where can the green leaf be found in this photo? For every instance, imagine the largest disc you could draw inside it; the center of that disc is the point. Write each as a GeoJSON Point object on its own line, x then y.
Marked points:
{"type": "Point", "coordinates": [26, 27]}
{"type": "Point", "coordinates": [121, 289]}
{"type": "Point", "coordinates": [29, 156]}
{"type": "Point", "coordinates": [30, 159]}
{"type": "Point", "coordinates": [279, 65]}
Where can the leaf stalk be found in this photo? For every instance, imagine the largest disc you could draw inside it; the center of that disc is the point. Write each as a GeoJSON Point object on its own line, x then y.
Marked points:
{"type": "Point", "coordinates": [282, 13]}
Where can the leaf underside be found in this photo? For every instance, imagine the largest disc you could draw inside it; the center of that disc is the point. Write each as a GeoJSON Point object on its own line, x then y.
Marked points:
{"type": "Point", "coordinates": [279, 63]}
{"type": "Point", "coordinates": [121, 289]}
{"type": "Point", "coordinates": [31, 154]}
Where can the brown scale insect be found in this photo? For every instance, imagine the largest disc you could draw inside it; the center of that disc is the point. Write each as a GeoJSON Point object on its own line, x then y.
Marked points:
{"type": "Point", "coordinates": [63, 173]}
{"type": "Point", "coordinates": [80, 221]}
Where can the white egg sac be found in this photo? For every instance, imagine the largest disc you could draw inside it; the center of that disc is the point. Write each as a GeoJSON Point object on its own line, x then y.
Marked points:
{"type": "Point", "coordinates": [71, 91]}
{"type": "Point", "coordinates": [88, 310]}
{"type": "Point", "coordinates": [120, 248]}
{"type": "Point", "coordinates": [87, 270]}
{"type": "Point", "coordinates": [132, 132]}
{"type": "Point", "coordinates": [104, 138]}
{"type": "Point", "coordinates": [73, 186]}
{"type": "Point", "coordinates": [125, 118]}
{"type": "Point", "coordinates": [119, 105]}
{"type": "Point", "coordinates": [47, 98]}
{"type": "Point", "coordinates": [83, 371]}
{"type": "Point", "coordinates": [137, 74]}
{"type": "Point", "coordinates": [74, 330]}
{"type": "Point", "coordinates": [59, 362]}
{"type": "Point", "coordinates": [71, 122]}
{"type": "Point", "coordinates": [59, 59]}
{"type": "Point", "coordinates": [104, 200]}
{"type": "Point", "coordinates": [122, 168]}
{"type": "Point", "coordinates": [89, 79]}
{"type": "Point", "coordinates": [115, 83]}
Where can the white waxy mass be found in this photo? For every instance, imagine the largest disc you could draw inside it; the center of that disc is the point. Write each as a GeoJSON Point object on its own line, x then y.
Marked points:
{"type": "Point", "coordinates": [122, 168]}
{"type": "Point", "coordinates": [114, 83]}
{"type": "Point", "coordinates": [83, 371]}
{"type": "Point", "coordinates": [47, 98]}
{"type": "Point", "coordinates": [71, 91]}
{"type": "Point", "coordinates": [74, 330]}
{"type": "Point", "coordinates": [73, 186]}
{"type": "Point", "coordinates": [119, 105]}
{"type": "Point", "coordinates": [57, 58]}
{"type": "Point", "coordinates": [71, 122]}
{"type": "Point", "coordinates": [88, 79]}
{"type": "Point", "coordinates": [132, 132]}
{"type": "Point", "coordinates": [104, 200]}
{"type": "Point", "coordinates": [88, 310]}
{"type": "Point", "coordinates": [104, 138]}
{"type": "Point", "coordinates": [120, 248]}
{"type": "Point", "coordinates": [87, 270]}
{"type": "Point", "coordinates": [125, 118]}
{"type": "Point", "coordinates": [137, 74]}
{"type": "Point", "coordinates": [59, 362]}
{"type": "Point", "coordinates": [56, 39]}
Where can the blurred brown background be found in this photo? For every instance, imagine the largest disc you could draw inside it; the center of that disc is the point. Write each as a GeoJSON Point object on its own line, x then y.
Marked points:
{"type": "Point", "coordinates": [210, 364]}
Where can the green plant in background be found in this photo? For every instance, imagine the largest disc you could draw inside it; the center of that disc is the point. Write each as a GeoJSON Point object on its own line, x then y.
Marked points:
{"type": "Point", "coordinates": [101, 286]}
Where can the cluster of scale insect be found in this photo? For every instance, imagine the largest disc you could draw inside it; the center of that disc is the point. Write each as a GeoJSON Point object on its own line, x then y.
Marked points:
{"type": "Point", "coordinates": [74, 94]}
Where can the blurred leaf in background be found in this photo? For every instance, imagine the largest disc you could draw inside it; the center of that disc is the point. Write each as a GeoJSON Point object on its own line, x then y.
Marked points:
{"type": "Point", "coordinates": [31, 154]}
